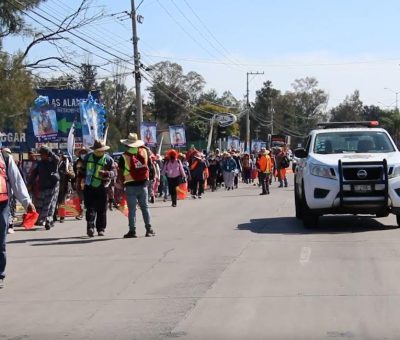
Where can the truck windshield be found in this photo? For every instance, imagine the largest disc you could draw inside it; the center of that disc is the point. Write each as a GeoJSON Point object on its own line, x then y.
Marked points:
{"type": "Point", "coordinates": [352, 142]}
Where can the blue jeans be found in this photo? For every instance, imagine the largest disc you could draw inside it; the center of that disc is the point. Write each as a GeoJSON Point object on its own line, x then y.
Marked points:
{"type": "Point", "coordinates": [4, 215]}
{"type": "Point", "coordinates": [134, 195]}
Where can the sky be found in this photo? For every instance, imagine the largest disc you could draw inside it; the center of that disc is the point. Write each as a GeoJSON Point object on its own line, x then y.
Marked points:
{"type": "Point", "coordinates": [346, 45]}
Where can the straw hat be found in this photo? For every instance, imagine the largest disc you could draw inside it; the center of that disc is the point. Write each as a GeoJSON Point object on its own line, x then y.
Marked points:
{"type": "Point", "coordinates": [132, 141]}
{"type": "Point", "coordinates": [81, 151]}
{"type": "Point", "coordinates": [7, 150]}
{"type": "Point", "coordinates": [99, 146]}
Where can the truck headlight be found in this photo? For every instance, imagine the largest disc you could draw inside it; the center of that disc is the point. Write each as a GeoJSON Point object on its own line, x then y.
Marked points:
{"type": "Point", "coordinates": [321, 171]}
{"type": "Point", "coordinates": [395, 172]}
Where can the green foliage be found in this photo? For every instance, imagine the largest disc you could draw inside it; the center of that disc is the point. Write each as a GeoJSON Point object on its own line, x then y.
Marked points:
{"type": "Point", "coordinates": [11, 16]}
{"type": "Point", "coordinates": [293, 113]}
{"type": "Point", "coordinates": [350, 110]}
{"type": "Point", "coordinates": [16, 93]}
{"type": "Point", "coordinates": [88, 76]}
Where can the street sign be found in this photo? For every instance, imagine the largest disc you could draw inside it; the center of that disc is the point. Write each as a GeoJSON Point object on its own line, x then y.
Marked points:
{"type": "Point", "coordinates": [225, 119]}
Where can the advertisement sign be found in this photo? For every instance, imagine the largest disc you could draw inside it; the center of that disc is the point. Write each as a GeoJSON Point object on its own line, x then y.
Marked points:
{"type": "Point", "coordinates": [44, 120]}
{"type": "Point", "coordinates": [255, 146]}
{"type": "Point", "coordinates": [148, 133]}
{"type": "Point", "coordinates": [233, 143]}
{"type": "Point", "coordinates": [177, 135]}
{"type": "Point", "coordinates": [66, 103]}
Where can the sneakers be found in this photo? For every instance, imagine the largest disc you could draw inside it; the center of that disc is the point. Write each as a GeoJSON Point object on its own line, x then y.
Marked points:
{"type": "Point", "coordinates": [149, 231]}
{"type": "Point", "coordinates": [130, 234]}
{"type": "Point", "coordinates": [62, 219]}
{"type": "Point", "coordinates": [1, 283]}
{"type": "Point", "coordinates": [49, 225]}
{"type": "Point", "coordinates": [90, 232]}
{"type": "Point", "coordinates": [100, 232]}
{"type": "Point", "coordinates": [194, 196]}
{"type": "Point", "coordinates": [199, 196]}
{"type": "Point", "coordinates": [10, 231]}
{"type": "Point", "coordinates": [173, 205]}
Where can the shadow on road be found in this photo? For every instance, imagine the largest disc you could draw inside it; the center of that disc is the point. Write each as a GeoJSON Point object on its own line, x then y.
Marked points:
{"type": "Point", "coordinates": [61, 241]}
{"type": "Point", "coordinates": [327, 225]}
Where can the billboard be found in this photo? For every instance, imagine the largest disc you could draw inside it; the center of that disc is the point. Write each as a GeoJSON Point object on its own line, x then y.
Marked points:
{"type": "Point", "coordinates": [148, 133]}
{"type": "Point", "coordinates": [65, 104]}
{"type": "Point", "coordinates": [177, 135]}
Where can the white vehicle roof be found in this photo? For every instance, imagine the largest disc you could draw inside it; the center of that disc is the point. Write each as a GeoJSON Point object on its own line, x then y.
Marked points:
{"type": "Point", "coordinates": [344, 129]}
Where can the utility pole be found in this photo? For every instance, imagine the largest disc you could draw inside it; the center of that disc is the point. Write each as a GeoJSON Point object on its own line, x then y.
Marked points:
{"type": "Point", "coordinates": [138, 77]}
{"type": "Point", "coordinates": [247, 143]}
{"type": "Point", "coordinates": [272, 118]}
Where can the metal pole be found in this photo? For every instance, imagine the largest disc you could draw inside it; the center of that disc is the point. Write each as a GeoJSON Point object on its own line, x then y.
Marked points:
{"type": "Point", "coordinates": [138, 78]}
{"type": "Point", "coordinates": [247, 144]}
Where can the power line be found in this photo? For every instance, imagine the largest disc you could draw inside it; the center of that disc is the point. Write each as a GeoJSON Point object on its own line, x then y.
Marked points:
{"type": "Point", "coordinates": [201, 33]}
{"type": "Point", "coordinates": [184, 30]}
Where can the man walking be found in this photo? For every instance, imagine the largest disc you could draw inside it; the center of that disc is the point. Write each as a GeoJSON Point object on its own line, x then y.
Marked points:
{"type": "Point", "coordinates": [10, 179]}
{"type": "Point", "coordinates": [264, 166]}
{"type": "Point", "coordinates": [133, 172]}
{"type": "Point", "coordinates": [99, 170]}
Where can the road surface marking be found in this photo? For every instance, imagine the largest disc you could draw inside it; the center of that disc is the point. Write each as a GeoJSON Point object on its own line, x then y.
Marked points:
{"type": "Point", "coordinates": [305, 255]}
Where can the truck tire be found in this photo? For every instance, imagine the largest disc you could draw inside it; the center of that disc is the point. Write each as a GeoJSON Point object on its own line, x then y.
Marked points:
{"type": "Point", "coordinates": [310, 219]}
{"type": "Point", "coordinates": [297, 203]}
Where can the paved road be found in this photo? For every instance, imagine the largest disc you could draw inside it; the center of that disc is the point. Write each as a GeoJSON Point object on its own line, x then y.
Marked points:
{"type": "Point", "coordinates": [233, 265]}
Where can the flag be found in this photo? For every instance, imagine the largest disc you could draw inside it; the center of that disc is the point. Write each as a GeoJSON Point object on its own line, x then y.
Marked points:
{"type": "Point", "coordinates": [71, 141]}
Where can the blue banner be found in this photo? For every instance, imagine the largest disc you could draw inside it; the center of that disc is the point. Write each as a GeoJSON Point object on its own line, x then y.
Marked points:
{"type": "Point", "coordinates": [66, 103]}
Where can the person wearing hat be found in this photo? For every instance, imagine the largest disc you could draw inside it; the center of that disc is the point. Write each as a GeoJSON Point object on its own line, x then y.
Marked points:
{"type": "Point", "coordinates": [99, 170]}
{"type": "Point", "coordinates": [264, 166]}
{"type": "Point", "coordinates": [197, 170]}
{"type": "Point", "coordinates": [10, 181]}
{"type": "Point", "coordinates": [78, 183]}
{"type": "Point", "coordinates": [134, 171]}
{"type": "Point", "coordinates": [48, 179]}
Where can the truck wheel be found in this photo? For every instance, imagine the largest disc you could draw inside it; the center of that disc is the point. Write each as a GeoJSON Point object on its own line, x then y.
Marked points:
{"type": "Point", "coordinates": [310, 219]}
{"type": "Point", "coordinates": [297, 203]}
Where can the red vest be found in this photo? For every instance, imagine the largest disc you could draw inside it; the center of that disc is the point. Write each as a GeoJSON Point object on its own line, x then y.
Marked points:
{"type": "Point", "coordinates": [3, 179]}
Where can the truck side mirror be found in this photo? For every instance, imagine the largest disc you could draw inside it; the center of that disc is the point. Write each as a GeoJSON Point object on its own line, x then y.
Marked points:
{"type": "Point", "coordinates": [300, 153]}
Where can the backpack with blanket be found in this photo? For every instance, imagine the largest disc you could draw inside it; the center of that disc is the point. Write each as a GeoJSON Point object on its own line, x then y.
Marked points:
{"type": "Point", "coordinates": [138, 168]}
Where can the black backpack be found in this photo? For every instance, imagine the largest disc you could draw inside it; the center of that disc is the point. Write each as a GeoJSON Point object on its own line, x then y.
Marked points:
{"type": "Point", "coordinates": [285, 162]}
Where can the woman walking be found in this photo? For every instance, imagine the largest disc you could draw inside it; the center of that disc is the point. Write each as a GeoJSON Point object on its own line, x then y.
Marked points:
{"type": "Point", "coordinates": [49, 181]}
{"type": "Point", "coordinates": [229, 167]}
{"type": "Point", "coordinates": [174, 172]}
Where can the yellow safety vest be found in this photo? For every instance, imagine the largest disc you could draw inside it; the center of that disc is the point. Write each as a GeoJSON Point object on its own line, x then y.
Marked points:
{"type": "Point", "coordinates": [93, 169]}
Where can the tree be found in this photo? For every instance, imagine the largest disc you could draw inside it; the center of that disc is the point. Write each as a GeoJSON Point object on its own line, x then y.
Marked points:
{"type": "Point", "coordinates": [12, 16]}
{"type": "Point", "coordinates": [88, 76]}
{"type": "Point", "coordinates": [173, 93]}
{"type": "Point", "coordinates": [119, 102]}
{"type": "Point", "coordinates": [350, 110]}
{"type": "Point", "coordinates": [16, 93]}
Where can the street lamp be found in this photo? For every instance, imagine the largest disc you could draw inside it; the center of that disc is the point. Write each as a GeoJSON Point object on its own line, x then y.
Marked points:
{"type": "Point", "coordinates": [397, 94]}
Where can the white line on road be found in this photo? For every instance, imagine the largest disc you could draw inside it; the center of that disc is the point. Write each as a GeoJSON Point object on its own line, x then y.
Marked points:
{"type": "Point", "coordinates": [305, 255]}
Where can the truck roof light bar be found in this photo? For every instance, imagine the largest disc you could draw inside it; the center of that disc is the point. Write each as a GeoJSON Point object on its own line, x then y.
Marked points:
{"type": "Point", "coordinates": [330, 125]}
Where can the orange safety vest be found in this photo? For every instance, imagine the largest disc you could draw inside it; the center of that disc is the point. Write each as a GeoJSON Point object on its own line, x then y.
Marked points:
{"type": "Point", "coordinates": [3, 179]}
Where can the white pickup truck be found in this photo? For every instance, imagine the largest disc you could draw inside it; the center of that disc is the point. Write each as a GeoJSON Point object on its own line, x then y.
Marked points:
{"type": "Point", "coordinates": [347, 168]}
